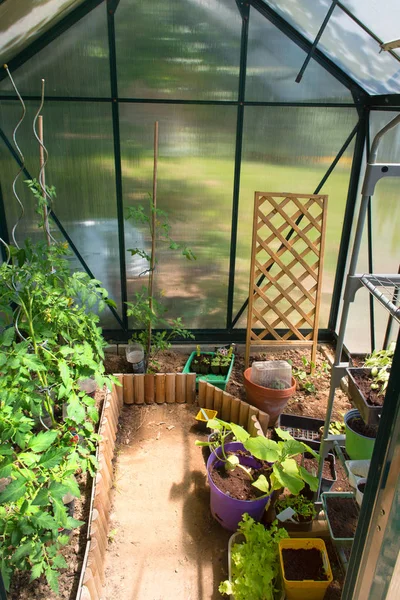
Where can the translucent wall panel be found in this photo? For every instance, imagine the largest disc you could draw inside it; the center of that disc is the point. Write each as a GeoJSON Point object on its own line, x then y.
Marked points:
{"type": "Point", "coordinates": [195, 183]}
{"type": "Point", "coordinates": [74, 64]}
{"type": "Point", "coordinates": [284, 151]}
{"type": "Point", "coordinates": [81, 166]}
{"type": "Point", "coordinates": [23, 21]}
{"type": "Point", "coordinates": [273, 63]}
{"type": "Point", "coordinates": [178, 49]}
{"type": "Point", "coordinates": [384, 23]}
{"type": "Point", "coordinates": [345, 42]}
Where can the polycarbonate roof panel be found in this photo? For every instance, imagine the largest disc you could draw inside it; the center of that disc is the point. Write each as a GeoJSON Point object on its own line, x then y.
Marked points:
{"type": "Point", "coordinates": [346, 43]}
{"type": "Point", "coordinates": [22, 21]}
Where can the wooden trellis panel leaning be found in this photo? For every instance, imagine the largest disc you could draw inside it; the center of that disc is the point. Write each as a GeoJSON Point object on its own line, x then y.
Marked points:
{"type": "Point", "coordinates": [286, 269]}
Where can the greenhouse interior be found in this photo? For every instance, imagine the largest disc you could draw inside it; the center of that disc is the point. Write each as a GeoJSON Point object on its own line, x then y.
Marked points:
{"type": "Point", "coordinates": [199, 299]}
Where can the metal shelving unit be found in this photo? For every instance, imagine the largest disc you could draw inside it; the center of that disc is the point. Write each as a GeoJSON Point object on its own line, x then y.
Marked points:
{"type": "Point", "coordinates": [385, 288]}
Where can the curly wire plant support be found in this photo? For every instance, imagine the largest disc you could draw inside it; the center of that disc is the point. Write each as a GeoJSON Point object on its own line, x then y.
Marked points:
{"type": "Point", "coordinates": [44, 155]}
{"type": "Point", "coordinates": [21, 156]}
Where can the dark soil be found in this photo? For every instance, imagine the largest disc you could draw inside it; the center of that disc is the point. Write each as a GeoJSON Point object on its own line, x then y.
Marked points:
{"type": "Point", "coordinates": [303, 564]}
{"type": "Point", "coordinates": [311, 465]}
{"type": "Point", "coordinates": [358, 425]}
{"type": "Point", "coordinates": [363, 381]}
{"type": "Point", "coordinates": [361, 487]}
{"type": "Point", "coordinates": [237, 483]}
{"type": "Point", "coordinates": [343, 516]}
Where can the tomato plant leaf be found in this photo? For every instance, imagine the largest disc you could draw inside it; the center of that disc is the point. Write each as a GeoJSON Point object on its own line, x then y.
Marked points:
{"type": "Point", "coordinates": [42, 440]}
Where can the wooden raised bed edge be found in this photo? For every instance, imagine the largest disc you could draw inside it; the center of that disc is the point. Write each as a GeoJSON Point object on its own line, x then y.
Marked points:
{"type": "Point", "coordinates": [92, 576]}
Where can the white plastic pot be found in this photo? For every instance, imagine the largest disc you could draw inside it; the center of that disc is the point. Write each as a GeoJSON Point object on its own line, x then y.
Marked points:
{"type": "Point", "coordinates": [360, 495]}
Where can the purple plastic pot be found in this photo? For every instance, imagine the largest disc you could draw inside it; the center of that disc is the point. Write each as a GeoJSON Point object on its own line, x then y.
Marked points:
{"type": "Point", "coordinates": [226, 510]}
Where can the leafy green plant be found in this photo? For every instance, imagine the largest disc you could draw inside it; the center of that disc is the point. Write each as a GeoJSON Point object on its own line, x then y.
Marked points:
{"type": "Point", "coordinates": [284, 471]}
{"type": "Point", "coordinates": [337, 428]}
{"type": "Point", "coordinates": [147, 311]}
{"type": "Point", "coordinates": [255, 562]}
{"type": "Point", "coordinates": [305, 375]}
{"type": "Point", "coordinates": [49, 341]}
{"type": "Point", "coordinates": [380, 362]}
{"type": "Point", "coordinates": [303, 507]}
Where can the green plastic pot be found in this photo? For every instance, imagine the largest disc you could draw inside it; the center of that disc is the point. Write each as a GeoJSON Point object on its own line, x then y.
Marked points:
{"type": "Point", "coordinates": [358, 447]}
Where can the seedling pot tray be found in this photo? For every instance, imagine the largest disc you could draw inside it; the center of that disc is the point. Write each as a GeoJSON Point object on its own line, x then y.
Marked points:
{"type": "Point", "coordinates": [339, 541]}
{"type": "Point", "coordinates": [219, 381]}
{"type": "Point", "coordinates": [369, 413]}
{"type": "Point", "coordinates": [304, 429]}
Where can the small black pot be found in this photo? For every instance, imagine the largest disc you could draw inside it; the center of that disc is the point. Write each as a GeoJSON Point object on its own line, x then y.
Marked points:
{"type": "Point", "coordinates": [215, 369]}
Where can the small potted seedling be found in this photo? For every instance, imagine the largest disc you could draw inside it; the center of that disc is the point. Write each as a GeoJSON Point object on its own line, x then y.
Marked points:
{"type": "Point", "coordinates": [205, 365]}
{"type": "Point", "coordinates": [215, 364]}
{"type": "Point", "coordinates": [296, 513]}
{"type": "Point", "coordinates": [361, 483]}
{"type": "Point", "coordinates": [367, 384]}
{"type": "Point", "coordinates": [360, 437]}
{"type": "Point", "coordinates": [196, 361]}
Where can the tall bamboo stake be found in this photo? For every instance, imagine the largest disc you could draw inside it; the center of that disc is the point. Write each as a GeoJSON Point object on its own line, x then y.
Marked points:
{"type": "Point", "coordinates": [43, 180]}
{"type": "Point", "coordinates": [153, 232]}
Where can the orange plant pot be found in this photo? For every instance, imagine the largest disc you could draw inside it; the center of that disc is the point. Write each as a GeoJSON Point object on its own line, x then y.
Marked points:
{"type": "Point", "coordinates": [268, 400]}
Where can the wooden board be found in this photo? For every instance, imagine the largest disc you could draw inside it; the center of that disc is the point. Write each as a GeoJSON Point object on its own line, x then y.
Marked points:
{"type": "Point", "coordinates": [286, 269]}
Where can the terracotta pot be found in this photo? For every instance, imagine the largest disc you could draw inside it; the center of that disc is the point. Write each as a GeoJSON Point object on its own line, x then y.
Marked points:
{"type": "Point", "coordinates": [268, 400]}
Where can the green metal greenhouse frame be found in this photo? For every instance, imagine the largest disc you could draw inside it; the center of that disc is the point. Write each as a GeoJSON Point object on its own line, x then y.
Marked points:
{"type": "Point", "coordinates": [386, 449]}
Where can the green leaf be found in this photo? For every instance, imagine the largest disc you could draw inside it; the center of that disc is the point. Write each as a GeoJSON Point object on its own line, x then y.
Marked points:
{"type": "Point", "coordinates": [42, 440]}
{"type": "Point", "coordinates": [52, 579]}
{"type": "Point", "coordinates": [240, 434]}
{"type": "Point", "coordinates": [52, 457]}
{"type": "Point", "coordinates": [283, 479]}
{"type": "Point", "coordinates": [37, 570]}
{"type": "Point", "coordinates": [59, 562]}
{"type": "Point", "coordinates": [74, 523]}
{"type": "Point", "coordinates": [263, 448]}
{"type": "Point", "coordinates": [292, 448]}
{"type": "Point", "coordinates": [75, 410]}
{"type": "Point", "coordinates": [46, 521]}
{"type": "Point", "coordinates": [283, 434]}
{"type": "Point", "coordinates": [308, 478]}
{"type": "Point", "coordinates": [7, 337]}
{"type": "Point", "coordinates": [14, 491]}
{"type": "Point", "coordinates": [21, 552]}
{"type": "Point", "coordinates": [232, 461]}
{"type": "Point", "coordinates": [64, 372]}
{"type": "Point", "coordinates": [262, 484]}
{"type": "Point", "coordinates": [41, 498]}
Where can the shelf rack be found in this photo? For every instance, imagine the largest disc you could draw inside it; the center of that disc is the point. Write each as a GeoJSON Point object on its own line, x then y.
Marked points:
{"type": "Point", "coordinates": [385, 288]}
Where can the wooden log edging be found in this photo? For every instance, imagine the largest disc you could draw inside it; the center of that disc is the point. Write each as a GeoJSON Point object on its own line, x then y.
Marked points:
{"type": "Point", "coordinates": [158, 388]}
{"type": "Point", "coordinates": [92, 577]}
{"type": "Point", "coordinates": [232, 409]}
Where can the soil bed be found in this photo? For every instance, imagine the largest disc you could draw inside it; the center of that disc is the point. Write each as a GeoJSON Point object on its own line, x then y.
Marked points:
{"type": "Point", "coordinates": [343, 516]}
{"type": "Point", "coordinates": [358, 425]}
{"type": "Point", "coordinates": [23, 589]}
{"type": "Point", "coordinates": [303, 564]}
{"type": "Point", "coordinates": [363, 381]}
{"type": "Point", "coordinates": [311, 465]}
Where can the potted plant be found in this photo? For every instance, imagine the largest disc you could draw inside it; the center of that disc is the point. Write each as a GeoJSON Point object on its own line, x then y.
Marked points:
{"type": "Point", "coordinates": [305, 566]}
{"type": "Point", "coordinates": [254, 562]}
{"type": "Point", "coordinates": [216, 365]}
{"type": "Point", "coordinates": [270, 400]}
{"type": "Point", "coordinates": [341, 513]}
{"type": "Point", "coordinates": [360, 437]}
{"type": "Point", "coordinates": [242, 475]}
{"type": "Point", "coordinates": [367, 384]}
{"type": "Point", "coordinates": [303, 509]}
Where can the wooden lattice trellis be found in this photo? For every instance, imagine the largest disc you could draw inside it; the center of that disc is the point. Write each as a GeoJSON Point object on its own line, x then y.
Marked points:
{"type": "Point", "coordinates": [286, 269]}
